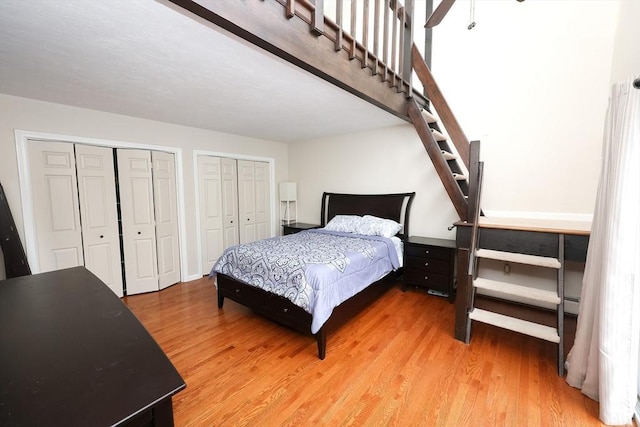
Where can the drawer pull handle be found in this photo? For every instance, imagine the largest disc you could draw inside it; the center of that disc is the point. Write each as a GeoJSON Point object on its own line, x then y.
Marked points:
{"type": "Point", "coordinates": [426, 264]}
{"type": "Point", "coordinates": [285, 310]}
{"type": "Point", "coordinates": [426, 277]}
{"type": "Point", "coordinates": [426, 252]}
{"type": "Point", "coordinates": [237, 291]}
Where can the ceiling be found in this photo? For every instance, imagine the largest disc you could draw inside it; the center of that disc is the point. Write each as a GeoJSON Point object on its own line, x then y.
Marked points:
{"type": "Point", "coordinates": [150, 59]}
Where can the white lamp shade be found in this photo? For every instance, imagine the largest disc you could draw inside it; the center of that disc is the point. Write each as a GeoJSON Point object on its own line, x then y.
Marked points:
{"type": "Point", "coordinates": [287, 191]}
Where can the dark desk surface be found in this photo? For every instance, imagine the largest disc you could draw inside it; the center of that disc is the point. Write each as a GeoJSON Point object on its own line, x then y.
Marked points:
{"type": "Point", "coordinates": [71, 353]}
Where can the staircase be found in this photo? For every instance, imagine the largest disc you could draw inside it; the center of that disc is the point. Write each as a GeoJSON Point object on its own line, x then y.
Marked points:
{"type": "Point", "coordinates": [379, 44]}
{"type": "Point", "coordinates": [443, 138]}
{"type": "Point", "coordinates": [511, 291]}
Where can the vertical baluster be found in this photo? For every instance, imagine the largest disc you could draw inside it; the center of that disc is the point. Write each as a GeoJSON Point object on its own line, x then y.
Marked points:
{"type": "Point", "coordinates": [403, 21]}
{"type": "Point", "coordinates": [385, 41]}
{"type": "Point", "coordinates": [407, 68]}
{"type": "Point", "coordinates": [365, 33]}
{"type": "Point", "coordinates": [394, 41]}
{"type": "Point", "coordinates": [339, 23]}
{"type": "Point", "coordinates": [352, 55]}
{"type": "Point", "coordinates": [401, 48]}
{"type": "Point", "coordinates": [291, 8]}
{"type": "Point", "coordinates": [317, 24]}
{"type": "Point", "coordinates": [376, 31]}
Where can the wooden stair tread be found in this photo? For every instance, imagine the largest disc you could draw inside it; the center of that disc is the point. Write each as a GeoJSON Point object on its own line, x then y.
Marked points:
{"type": "Point", "coordinates": [438, 135]}
{"type": "Point", "coordinates": [447, 155]}
{"type": "Point", "coordinates": [525, 327]}
{"type": "Point", "coordinates": [540, 261]}
{"type": "Point", "coordinates": [517, 290]}
{"type": "Point", "coordinates": [429, 118]}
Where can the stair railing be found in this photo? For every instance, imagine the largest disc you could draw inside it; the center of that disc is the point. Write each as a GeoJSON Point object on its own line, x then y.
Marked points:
{"type": "Point", "coordinates": [475, 193]}
{"type": "Point", "coordinates": [378, 34]}
{"type": "Point", "coordinates": [439, 103]}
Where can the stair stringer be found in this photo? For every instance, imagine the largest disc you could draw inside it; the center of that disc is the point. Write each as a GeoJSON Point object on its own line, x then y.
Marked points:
{"type": "Point", "coordinates": [442, 168]}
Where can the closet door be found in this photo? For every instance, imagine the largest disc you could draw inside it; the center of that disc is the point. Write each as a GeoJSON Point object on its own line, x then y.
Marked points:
{"type": "Point", "coordinates": [262, 187]}
{"type": "Point", "coordinates": [166, 215]}
{"type": "Point", "coordinates": [97, 193]}
{"type": "Point", "coordinates": [55, 205]}
{"type": "Point", "coordinates": [210, 197]}
{"type": "Point", "coordinates": [138, 224]}
{"type": "Point", "coordinates": [231, 233]}
{"type": "Point", "coordinates": [247, 201]}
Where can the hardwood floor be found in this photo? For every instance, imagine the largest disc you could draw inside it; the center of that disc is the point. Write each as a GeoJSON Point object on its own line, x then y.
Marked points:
{"type": "Point", "coordinates": [397, 363]}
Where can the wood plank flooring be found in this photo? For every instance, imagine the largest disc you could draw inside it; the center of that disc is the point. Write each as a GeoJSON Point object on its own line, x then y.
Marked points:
{"type": "Point", "coordinates": [396, 364]}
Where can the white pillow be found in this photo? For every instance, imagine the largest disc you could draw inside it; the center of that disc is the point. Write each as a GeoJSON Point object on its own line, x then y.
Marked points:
{"type": "Point", "coordinates": [373, 226]}
{"type": "Point", "coordinates": [344, 223]}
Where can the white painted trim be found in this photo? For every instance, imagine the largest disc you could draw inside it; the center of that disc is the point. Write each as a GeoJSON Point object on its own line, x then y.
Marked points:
{"type": "Point", "coordinates": [23, 136]}
{"type": "Point", "coordinates": [272, 185]}
{"type": "Point", "coordinates": [636, 415]}
{"type": "Point", "coordinates": [539, 215]}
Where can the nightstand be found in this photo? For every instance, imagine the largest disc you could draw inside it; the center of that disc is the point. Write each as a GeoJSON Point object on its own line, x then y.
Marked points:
{"type": "Point", "coordinates": [296, 227]}
{"type": "Point", "coordinates": [430, 263]}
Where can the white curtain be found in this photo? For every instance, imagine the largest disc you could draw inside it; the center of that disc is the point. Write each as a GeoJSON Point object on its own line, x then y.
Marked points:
{"type": "Point", "coordinates": [604, 359]}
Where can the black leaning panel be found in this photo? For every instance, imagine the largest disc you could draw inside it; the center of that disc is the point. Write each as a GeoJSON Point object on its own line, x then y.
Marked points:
{"type": "Point", "coordinates": [524, 242]}
{"type": "Point", "coordinates": [575, 246]}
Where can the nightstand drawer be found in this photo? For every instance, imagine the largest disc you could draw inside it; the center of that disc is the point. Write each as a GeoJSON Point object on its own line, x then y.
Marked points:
{"type": "Point", "coordinates": [426, 279]}
{"type": "Point", "coordinates": [421, 251]}
{"type": "Point", "coordinates": [428, 265]}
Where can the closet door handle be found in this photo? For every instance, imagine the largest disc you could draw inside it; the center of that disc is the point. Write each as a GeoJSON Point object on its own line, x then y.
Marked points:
{"type": "Point", "coordinates": [102, 236]}
{"type": "Point", "coordinates": [139, 232]}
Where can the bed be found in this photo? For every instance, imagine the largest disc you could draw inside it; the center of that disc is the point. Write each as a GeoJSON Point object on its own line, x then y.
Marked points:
{"type": "Point", "coordinates": [335, 208]}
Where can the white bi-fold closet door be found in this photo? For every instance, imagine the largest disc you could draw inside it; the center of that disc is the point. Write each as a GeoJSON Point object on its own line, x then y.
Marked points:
{"type": "Point", "coordinates": [76, 218]}
{"type": "Point", "coordinates": [146, 180]}
{"type": "Point", "coordinates": [234, 204]}
{"type": "Point", "coordinates": [64, 184]}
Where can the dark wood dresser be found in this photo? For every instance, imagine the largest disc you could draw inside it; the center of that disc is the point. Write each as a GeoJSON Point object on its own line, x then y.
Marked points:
{"type": "Point", "coordinates": [430, 263]}
{"type": "Point", "coordinates": [72, 354]}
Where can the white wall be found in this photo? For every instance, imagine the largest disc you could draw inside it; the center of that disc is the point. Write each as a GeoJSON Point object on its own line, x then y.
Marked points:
{"type": "Point", "coordinates": [626, 52]}
{"type": "Point", "coordinates": [36, 116]}
{"type": "Point", "coordinates": [531, 81]}
{"type": "Point", "coordinates": [390, 160]}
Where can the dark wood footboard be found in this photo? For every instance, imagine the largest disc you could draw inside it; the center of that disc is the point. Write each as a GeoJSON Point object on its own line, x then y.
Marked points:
{"type": "Point", "coordinates": [283, 311]}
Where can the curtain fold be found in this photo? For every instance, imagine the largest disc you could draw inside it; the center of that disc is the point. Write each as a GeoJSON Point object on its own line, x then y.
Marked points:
{"type": "Point", "coordinates": [603, 362]}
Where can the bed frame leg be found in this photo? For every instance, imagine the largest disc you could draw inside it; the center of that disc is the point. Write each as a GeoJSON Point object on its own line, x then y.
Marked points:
{"type": "Point", "coordinates": [220, 300]}
{"type": "Point", "coordinates": [321, 337]}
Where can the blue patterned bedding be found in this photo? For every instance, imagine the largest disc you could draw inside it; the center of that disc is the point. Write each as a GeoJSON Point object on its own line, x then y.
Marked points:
{"type": "Point", "coordinates": [315, 269]}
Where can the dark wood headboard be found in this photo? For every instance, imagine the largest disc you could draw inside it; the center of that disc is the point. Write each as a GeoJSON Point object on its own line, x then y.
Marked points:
{"type": "Point", "coordinates": [389, 206]}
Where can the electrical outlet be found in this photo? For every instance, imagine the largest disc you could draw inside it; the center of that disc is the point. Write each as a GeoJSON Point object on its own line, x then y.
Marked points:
{"type": "Point", "coordinates": [507, 269]}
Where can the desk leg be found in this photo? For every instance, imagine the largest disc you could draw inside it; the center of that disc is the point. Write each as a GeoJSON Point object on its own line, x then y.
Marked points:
{"type": "Point", "coordinates": [462, 297]}
{"type": "Point", "coordinates": [163, 413]}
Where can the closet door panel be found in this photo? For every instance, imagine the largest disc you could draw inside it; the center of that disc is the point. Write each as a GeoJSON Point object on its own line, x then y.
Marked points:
{"type": "Point", "coordinates": [246, 201]}
{"type": "Point", "coordinates": [262, 184]}
{"type": "Point", "coordinates": [138, 226]}
{"type": "Point", "coordinates": [210, 197]}
{"type": "Point", "coordinates": [166, 215]}
{"type": "Point", "coordinates": [98, 207]}
{"type": "Point", "coordinates": [55, 203]}
{"type": "Point", "coordinates": [231, 233]}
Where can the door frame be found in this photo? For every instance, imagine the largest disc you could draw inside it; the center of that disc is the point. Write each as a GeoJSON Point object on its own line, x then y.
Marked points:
{"type": "Point", "coordinates": [22, 137]}
{"type": "Point", "coordinates": [272, 189]}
